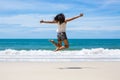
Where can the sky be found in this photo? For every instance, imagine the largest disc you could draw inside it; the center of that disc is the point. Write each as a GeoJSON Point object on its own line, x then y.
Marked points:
{"type": "Point", "coordinates": [21, 18]}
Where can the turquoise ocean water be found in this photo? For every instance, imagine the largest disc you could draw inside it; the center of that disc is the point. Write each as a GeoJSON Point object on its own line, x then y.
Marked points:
{"type": "Point", "coordinates": [44, 44]}
{"type": "Point", "coordinates": [42, 50]}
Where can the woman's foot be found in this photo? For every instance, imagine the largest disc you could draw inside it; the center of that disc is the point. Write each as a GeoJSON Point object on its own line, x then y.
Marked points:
{"type": "Point", "coordinates": [52, 41]}
{"type": "Point", "coordinates": [57, 49]}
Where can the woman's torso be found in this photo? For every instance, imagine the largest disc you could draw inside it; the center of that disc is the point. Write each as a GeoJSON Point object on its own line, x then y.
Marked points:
{"type": "Point", "coordinates": [61, 27]}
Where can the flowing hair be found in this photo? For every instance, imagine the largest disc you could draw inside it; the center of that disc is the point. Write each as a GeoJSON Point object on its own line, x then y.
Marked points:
{"type": "Point", "coordinates": [60, 18]}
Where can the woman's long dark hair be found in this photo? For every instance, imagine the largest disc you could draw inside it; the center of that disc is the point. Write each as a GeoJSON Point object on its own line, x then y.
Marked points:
{"type": "Point", "coordinates": [60, 18]}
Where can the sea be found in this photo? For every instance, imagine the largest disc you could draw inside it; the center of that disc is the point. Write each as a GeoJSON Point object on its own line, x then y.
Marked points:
{"type": "Point", "coordinates": [41, 50]}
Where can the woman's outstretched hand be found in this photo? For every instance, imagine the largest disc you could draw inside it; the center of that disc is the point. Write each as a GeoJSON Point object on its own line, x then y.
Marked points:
{"type": "Point", "coordinates": [81, 14]}
{"type": "Point", "coordinates": [41, 21]}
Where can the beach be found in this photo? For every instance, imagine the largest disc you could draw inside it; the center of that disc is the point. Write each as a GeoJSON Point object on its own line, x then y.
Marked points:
{"type": "Point", "coordinates": [35, 59]}
{"type": "Point", "coordinates": [91, 70]}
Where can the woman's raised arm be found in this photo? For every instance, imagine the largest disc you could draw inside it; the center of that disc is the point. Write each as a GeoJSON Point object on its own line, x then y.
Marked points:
{"type": "Point", "coordinates": [42, 21]}
{"type": "Point", "coordinates": [70, 19]}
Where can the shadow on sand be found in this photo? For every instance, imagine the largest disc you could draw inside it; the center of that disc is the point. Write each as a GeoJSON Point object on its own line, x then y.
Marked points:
{"type": "Point", "coordinates": [75, 68]}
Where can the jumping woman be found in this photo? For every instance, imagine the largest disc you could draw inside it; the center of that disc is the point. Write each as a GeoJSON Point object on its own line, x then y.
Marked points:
{"type": "Point", "coordinates": [60, 20]}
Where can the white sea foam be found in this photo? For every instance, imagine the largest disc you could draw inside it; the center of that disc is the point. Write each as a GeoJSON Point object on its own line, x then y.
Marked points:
{"type": "Point", "coordinates": [98, 54]}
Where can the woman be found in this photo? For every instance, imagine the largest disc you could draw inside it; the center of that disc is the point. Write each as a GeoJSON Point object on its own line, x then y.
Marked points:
{"type": "Point", "coordinates": [61, 31]}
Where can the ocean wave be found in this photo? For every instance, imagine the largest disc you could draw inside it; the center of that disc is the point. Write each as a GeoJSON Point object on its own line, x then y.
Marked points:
{"type": "Point", "coordinates": [69, 52]}
{"type": "Point", "coordinates": [67, 55]}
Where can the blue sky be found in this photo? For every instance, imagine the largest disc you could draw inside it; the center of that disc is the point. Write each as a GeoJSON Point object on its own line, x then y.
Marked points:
{"type": "Point", "coordinates": [20, 18]}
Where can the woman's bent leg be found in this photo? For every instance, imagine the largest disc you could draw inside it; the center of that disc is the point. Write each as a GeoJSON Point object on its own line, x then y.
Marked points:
{"type": "Point", "coordinates": [66, 45]}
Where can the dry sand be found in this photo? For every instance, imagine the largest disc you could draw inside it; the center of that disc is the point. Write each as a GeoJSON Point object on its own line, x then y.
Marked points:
{"type": "Point", "coordinates": [59, 70]}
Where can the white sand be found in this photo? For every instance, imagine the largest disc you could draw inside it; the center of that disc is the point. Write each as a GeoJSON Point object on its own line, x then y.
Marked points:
{"type": "Point", "coordinates": [60, 71]}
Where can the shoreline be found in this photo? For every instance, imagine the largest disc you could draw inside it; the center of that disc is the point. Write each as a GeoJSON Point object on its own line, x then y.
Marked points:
{"type": "Point", "coordinates": [60, 70]}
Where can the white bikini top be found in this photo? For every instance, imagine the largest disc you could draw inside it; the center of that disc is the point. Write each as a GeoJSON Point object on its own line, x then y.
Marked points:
{"type": "Point", "coordinates": [61, 27]}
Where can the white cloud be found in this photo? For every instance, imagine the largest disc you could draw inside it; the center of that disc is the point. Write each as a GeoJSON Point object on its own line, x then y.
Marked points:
{"type": "Point", "coordinates": [95, 5]}
{"type": "Point", "coordinates": [30, 20]}
{"type": "Point", "coordinates": [84, 23]}
{"type": "Point", "coordinates": [35, 10]}
{"type": "Point", "coordinates": [32, 5]}
{"type": "Point", "coordinates": [99, 2]}
{"type": "Point", "coordinates": [96, 23]}
{"type": "Point", "coordinates": [112, 2]}
{"type": "Point", "coordinates": [99, 28]}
